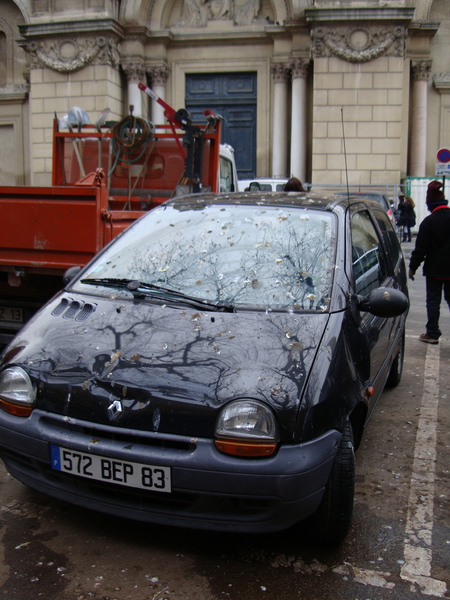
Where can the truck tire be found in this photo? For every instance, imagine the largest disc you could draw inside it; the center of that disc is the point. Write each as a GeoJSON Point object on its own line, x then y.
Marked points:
{"type": "Point", "coordinates": [330, 523]}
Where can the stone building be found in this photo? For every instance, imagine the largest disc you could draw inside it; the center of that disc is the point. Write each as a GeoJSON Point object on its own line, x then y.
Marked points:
{"type": "Point", "coordinates": [290, 77]}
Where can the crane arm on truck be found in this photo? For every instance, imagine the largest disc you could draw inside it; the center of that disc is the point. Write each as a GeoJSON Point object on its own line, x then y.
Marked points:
{"type": "Point", "coordinates": [175, 119]}
{"type": "Point", "coordinates": [192, 138]}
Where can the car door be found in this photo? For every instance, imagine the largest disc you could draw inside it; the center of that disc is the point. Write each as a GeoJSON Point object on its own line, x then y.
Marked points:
{"type": "Point", "coordinates": [370, 271]}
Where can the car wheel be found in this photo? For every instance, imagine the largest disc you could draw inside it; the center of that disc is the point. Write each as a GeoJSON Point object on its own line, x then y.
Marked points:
{"type": "Point", "coordinates": [331, 521]}
{"type": "Point", "coordinates": [395, 374]}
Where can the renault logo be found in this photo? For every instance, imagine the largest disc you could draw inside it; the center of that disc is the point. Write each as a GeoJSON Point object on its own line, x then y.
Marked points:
{"type": "Point", "coordinates": [115, 410]}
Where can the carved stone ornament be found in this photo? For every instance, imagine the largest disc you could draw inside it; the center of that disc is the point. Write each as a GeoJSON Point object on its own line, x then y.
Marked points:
{"type": "Point", "coordinates": [421, 70]}
{"type": "Point", "coordinates": [69, 55]}
{"type": "Point", "coordinates": [358, 44]}
{"type": "Point", "coordinates": [158, 75]}
{"type": "Point", "coordinates": [280, 72]}
{"type": "Point", "coordinates": [299, 68]}
{"type": "Point", "coordinates": [197, 13]}
{"type": "Point", "coordinates": [134, 71]}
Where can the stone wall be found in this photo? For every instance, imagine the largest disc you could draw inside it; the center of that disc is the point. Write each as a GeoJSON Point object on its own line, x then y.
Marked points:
{"type": "Point", "coordinates": [52, 93]}
{"type": "Point", "coordinates": [364, 103]}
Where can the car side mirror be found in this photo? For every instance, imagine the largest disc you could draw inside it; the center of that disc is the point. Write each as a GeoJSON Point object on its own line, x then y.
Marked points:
{"type": "Point", "coordinates": [70, 274]}
{"type": "Point", "coordinates": [384, 302]}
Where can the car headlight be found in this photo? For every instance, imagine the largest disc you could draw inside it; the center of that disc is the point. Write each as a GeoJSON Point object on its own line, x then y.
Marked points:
{"type": "Point", "coordinates": [246, 428]}
{"type": "Point", "coordinates": [17, 393]}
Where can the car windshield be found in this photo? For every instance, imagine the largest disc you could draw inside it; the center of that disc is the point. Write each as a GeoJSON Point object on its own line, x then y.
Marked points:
{"type": "Point", "coordinates": [278, 258]}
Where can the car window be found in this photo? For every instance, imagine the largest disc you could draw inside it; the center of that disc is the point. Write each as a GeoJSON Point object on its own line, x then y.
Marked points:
{"type": "Point", "coordinates": [226, 175]}
{"type": "Point", "coordinates": [257, 186]}
{"type": "Point", "coordinates": [271, 257]}
{"type": "Point", "coordinates": [389, 236]}
{"type": "Point", "coordinates": [381, 199]}
{"type": "Point", "coordinates": [369, 270]}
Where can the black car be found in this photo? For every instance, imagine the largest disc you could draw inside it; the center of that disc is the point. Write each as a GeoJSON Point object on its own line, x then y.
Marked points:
{"type": "Point", "coordinates": [214, 367]}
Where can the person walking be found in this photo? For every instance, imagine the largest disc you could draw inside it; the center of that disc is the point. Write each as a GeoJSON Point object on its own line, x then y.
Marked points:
{"type": "Point", "coordinates": [408, 218]}
{"type": "Point", "coordinates": [433, 249]}
{"type": "Point", "coordinates": [400, 216]}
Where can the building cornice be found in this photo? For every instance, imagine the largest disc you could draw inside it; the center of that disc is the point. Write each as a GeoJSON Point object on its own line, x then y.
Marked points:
{"type": "Point", "coordinates": [14, 94]}
{"type": "Point", "coordinates": [207, 36]}
{"type": "Point", "coordinates": [322, 15]}
{"type": "Point", "coordinates": [441, 82]}
{"type": "Point", "coordinates": [423, 29]}
{"type": "Point", "coordinates": [136, 32]}
{"type": "Point", "coordinates": [58, 28]}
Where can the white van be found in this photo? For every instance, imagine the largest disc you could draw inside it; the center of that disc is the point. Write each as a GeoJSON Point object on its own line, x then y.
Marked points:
{"type": "Point", "coordinates": [263, 184]}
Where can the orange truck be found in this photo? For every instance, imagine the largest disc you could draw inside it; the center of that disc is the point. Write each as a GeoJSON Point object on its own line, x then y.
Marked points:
{"type": "Point", "coordinates": [104, 177]}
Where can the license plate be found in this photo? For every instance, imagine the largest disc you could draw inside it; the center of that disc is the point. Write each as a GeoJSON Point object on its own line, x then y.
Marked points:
{"type": "Point", "coordinates": [8, 313]}
{"type": "Point", "coordinates": [111, 470]}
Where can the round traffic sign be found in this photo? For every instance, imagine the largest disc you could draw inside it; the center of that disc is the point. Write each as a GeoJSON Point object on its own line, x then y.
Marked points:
{"type": "Point", "coordinates": [443, 155]}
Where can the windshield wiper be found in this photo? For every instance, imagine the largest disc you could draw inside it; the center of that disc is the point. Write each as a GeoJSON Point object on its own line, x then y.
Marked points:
{"type": "Point", "coordinates": [137, 288]}
{"type": "Point", "coordinates": [109, 282]}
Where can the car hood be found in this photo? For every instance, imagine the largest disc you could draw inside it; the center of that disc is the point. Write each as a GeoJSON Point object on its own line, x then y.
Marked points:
{"type": "Point", "coordinates": [161, 368]}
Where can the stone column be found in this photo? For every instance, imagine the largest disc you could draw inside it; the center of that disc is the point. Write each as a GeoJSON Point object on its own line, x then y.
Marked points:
{"type": "Point", "coordinates": [299, 70]}
{"type": "Point", "coordinates": [280, 73]}
{"type": "Point", "coordinates": [134, 73]}
{"type": "Point", "coordinates": [158, 77]}
{"type": "Point", "coordinates": [418, 149]}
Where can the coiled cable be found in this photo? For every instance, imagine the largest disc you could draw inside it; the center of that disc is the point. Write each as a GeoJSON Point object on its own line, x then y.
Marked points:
{"type": "Point", "coordinates": [130, 140]}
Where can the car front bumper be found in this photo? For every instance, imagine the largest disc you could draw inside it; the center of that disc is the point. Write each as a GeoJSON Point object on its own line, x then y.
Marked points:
{"type": "Point", "coordinates": [210, 490]}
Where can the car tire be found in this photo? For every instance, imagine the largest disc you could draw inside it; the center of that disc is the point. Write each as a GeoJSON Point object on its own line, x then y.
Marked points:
{"type": "Point", "coordinates": [330, 523]}
{"type": "Point", "coordinates": [395, 374]}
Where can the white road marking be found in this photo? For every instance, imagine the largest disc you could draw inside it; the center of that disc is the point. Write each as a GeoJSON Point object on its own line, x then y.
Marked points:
{"type": "Point", "coordinates": [419, 523]}
{"type": "Point", "coordinates": [365, 576]}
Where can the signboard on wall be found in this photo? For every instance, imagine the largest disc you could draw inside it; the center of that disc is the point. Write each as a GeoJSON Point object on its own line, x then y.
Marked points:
{"type": "Point", "coordinates": [442, 169]}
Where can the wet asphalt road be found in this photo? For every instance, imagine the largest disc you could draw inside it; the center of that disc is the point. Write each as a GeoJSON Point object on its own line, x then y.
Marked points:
{"type": "Point", "coordinates": [398, 547]}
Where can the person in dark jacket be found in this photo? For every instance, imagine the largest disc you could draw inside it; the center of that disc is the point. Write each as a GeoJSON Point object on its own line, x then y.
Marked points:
{"type": "Point", "coordinates": [433, 249]}
{"type": "Point", "coordinates": [401, 207]}
{"type": "Point", "coordinates": [408, 218]}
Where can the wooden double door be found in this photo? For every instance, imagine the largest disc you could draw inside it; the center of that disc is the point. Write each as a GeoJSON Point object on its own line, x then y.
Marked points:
{"type": "Point", "coordinates": [233, 96]}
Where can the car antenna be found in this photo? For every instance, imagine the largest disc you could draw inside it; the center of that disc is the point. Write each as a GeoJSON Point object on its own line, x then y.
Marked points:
{"type": "Point", "coordinates": [345, 155]}
{"type": "Point", "coordinates": [348, 189]}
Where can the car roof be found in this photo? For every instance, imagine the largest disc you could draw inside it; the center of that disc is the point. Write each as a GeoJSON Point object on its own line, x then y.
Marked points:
{"type": "Point", "coordinates": [297, 199]}
{"type": "Point", "coordinates": [381, 198]}
{"type": "Point", "coordinates": [374, 195]}
{"type": "Point", "coordinates": [368, 194]}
